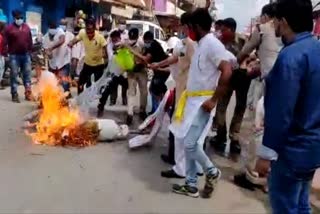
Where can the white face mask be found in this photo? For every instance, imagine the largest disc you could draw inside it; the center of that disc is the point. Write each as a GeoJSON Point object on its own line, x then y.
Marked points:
{"type": "Point", "coordinates": [122, 27]}
{"type": "Point", "coordinates": [19, 22]}
{"type": "Point", "coordinates": [63, 27]}
{"type": "Point", "coordinates": [52, 32]}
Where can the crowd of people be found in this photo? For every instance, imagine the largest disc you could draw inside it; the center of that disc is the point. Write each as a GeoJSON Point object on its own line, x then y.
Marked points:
{"type": "Point", "coordinates": [274, 74]}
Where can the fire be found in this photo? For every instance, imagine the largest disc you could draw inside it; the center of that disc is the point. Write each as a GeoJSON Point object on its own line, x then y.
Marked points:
{"type": "Point", "coordinates": [59, 124]}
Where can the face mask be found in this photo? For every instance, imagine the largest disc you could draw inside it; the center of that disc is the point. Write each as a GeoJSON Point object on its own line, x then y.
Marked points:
{"type": "Point", "coordinates": [19, 22]}
{"type": "Point", "coordinates": [227, 36]}
{"type": "Point", "coordinates": [147, 45]}
{"type": "Point", "coordinates": [192, 35]}
{"type": "Point", "coordinates": [122, 27]}
{"type": "Point", "coordinates": [52, 32]}
{"type": "Point", "coordinates": [63, 27]}
{"type": "Point", "coordinates": [182, 36]}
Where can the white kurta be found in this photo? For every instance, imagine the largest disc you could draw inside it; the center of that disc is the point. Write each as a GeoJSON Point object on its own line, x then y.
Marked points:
{"type": "Point", "coordinates": [203, 76]}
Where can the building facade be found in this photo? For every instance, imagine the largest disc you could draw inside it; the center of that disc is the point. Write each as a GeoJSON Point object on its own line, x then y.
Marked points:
{"type": "Point", "coordinates": [39, 12]}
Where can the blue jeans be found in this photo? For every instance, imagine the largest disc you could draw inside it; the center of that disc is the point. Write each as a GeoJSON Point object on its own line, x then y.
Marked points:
{"type": "Point", "coordinates": [194, 151]}
{"type": "Point", "coordinates": [155, 104]}
{"type": "Point", "coordinates": [20, 63]}
{"type": "Point", "coordinates": [289, 189]}
{"type": "Point", "coordinates": [64, 76]}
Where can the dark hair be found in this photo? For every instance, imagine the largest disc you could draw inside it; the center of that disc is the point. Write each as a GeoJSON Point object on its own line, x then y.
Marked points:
{"type": "Point", "coordinates": [230, 23]}
{"type": "Point", "coordinates": [115, 34]}
{"type": "Point", "coordinates": [202, 18]}
{"type": "Point", "coordinates": [91, 22]}
{"type": "Point", "coordinates": [133, 33]}
{"type": "Point", "coordinates": [219, 22]}
{"type": "Point", "coordinates": [76, 30]}
{"type": "Point", "coordinates": [16, 13]}
{"type": "Point", "coordinates": [269, 10]}
{"type": "Point", "coordinates": [185, 18]}
{"type": "Point", "coordinates": [148, 36]}
{"type": "Point", "coordinates": [52, 24]}
{"type": "Point", "coordinates": [297, 13]}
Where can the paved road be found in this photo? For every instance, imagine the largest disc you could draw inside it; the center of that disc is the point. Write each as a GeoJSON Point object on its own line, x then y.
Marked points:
{"type": "Point", "coordinates": [107, 178]}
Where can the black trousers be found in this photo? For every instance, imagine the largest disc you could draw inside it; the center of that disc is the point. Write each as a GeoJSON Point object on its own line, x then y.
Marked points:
{"type": "Point", "coordinates": [240, 83]}
{"type": "Point", "coordinates": [110, 88]}
{"type": "Point", "coordinates": [123, 82]}
{"type": "Point", "coordinates": [86, 73]}
{"type": "Point", "coordinates": [171, 136]}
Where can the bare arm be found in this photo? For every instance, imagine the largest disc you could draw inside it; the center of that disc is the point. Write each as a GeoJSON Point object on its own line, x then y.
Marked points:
{"type": "Point", "coordinates": [61, 41]}
{"type": "Point", "coordinates": [105, 53]}
{"type": "Point", "coordinates": [145, 59]}
{"type": "Point", "coordinates": [169, 61]}
{"type": "Point", "coordinates": [250, 46]}
{"type": "Point", "coordinates": [164, 69]}
{"type": "Point", "coordinates": [226, 72]}
{"type": "Point", "coordinates": [74, 41]}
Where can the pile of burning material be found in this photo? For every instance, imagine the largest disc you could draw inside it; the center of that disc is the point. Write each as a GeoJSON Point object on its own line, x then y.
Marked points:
{"type": "Point", "coordinates": [59, 124]}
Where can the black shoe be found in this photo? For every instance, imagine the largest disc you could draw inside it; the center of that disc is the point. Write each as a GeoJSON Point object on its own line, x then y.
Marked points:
{"type": "Point", "coordinates": [15, 98]}
{"type": "Point", "coordinates": [242, 181]}
{"type": "Point", "coordinates": [129, 120]}
{"type": "Point", "coordinates": [186, 190]}
{"type": "Point", "coordinates": [200, 174]}
{"type": "Point", "coordinates": [167, 159]}
{"type": "Point", "coordinates": [170, 174]}
{"type": "Point", "coordinates": [143, 115]}
{"type": "Point", "coordinates": [218, 143]}
{"type": "Point", "coordinates": [235, 147]}
{"type": "Point", "coordinates": [211, 182]}
{"type": "Point", "coordinates": [100, 113]}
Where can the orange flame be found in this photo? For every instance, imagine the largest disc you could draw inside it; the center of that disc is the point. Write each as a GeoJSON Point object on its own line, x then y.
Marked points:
{"type": "Point", "coordinates": [58, 123]}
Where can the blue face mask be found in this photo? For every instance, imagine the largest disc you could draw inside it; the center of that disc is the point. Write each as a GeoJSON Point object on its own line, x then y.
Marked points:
{"type": "Point", "coordinates": [182, 36]}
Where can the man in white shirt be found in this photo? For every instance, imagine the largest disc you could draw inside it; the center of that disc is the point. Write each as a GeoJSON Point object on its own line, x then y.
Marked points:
{"type": "Point", "coordinates": [56, 45]}
{"type": "Point", "coordinates": [195, 110]}
{"type": "Point", "coordinates": [268, 46]}
{"type": "Point", "coordinates": [121, 79]}
{"type": "Point", "coordinates": [116, 71]}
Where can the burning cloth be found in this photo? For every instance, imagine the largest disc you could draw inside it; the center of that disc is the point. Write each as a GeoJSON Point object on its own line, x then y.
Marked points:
{"type": "Point", "coordinates": [59, 124]}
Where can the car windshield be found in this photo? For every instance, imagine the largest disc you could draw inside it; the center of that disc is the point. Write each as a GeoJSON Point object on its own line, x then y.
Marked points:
{"type": "Point", "coordinates": [139, 26]}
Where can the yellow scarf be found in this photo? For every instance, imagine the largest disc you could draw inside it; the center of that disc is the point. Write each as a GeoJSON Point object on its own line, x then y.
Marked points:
{"type": "Point", "coordinates": [178, 116]}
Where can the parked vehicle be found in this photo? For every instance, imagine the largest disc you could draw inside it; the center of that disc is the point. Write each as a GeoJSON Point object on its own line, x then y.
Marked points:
{"type": "Point", "coordinates": [145, 26]}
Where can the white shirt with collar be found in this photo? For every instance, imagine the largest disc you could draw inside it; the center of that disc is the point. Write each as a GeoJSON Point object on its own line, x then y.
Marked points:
{"type": "Point", "coordinates": [113, 67]}
{"type": "Point", "coordinates": [203, 76]}
{"type": "Point", "coordinates": [61, 56]}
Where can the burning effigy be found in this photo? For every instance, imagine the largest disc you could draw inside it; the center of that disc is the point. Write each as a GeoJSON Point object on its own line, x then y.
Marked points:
{"type": "Point", "coordinates": [60, 122]}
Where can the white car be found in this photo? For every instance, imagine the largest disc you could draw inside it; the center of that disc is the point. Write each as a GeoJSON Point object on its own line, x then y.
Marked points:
{"type": "Point", "coordinates": [145, 26]}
